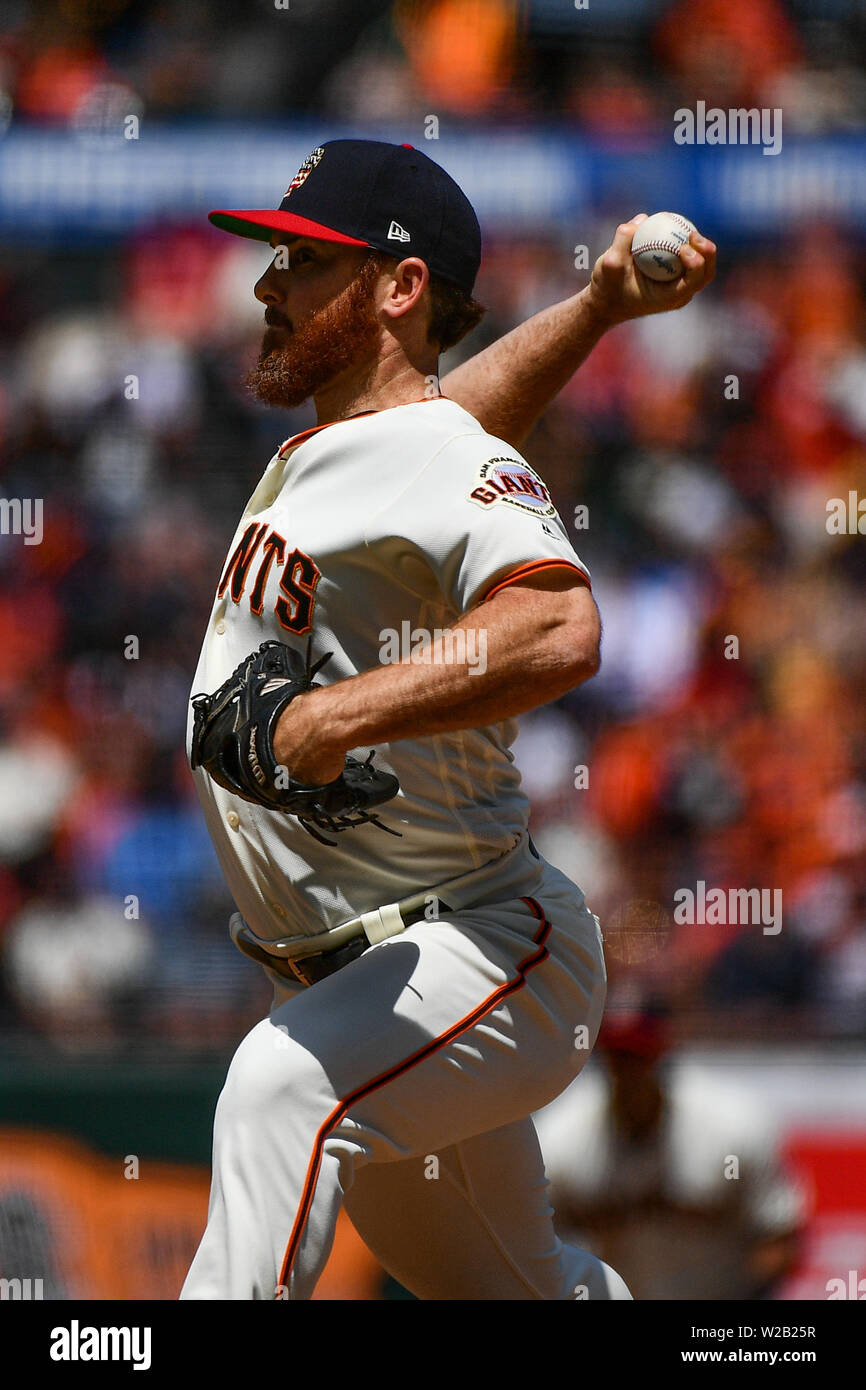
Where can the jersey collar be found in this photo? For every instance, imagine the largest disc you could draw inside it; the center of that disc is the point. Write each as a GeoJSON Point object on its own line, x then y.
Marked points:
{"type": "Point", "coordinates": [297, 439]}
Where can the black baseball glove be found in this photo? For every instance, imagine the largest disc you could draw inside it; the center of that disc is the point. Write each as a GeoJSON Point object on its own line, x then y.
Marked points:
{"type": "Point", "coordinates": [232, 740]}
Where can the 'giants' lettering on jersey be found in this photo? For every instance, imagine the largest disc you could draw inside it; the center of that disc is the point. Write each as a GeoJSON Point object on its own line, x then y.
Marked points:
{"type": "Point", "coordinates": [300, 575]}
{"type": "Point", "coordinates": [514, 482]}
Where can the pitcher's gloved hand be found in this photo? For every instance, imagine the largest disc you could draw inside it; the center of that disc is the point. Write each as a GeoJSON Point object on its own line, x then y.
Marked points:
{"type": "Point", "coordinates": [233, 735]}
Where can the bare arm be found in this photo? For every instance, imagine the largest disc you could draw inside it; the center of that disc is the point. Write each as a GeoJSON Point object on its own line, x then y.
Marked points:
{"type": "Point", "coordinates": [509, 385]}
{"type": "Point", "coordinates": [538, 643]}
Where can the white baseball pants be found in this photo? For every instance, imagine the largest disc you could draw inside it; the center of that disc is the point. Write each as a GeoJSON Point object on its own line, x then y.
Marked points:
{"type": "Point", "coordinates": [402, 1086]}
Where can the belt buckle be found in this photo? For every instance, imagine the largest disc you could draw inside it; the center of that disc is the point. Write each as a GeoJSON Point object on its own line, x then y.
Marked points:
{"type": "Point", "coordinates": [296, 964]}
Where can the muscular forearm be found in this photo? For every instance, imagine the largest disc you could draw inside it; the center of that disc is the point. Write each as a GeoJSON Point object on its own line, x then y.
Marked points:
{"type": "Point", "coordinates": [509, 385]}
{"type": "Point", "coordinates": [522, 650]}
{"type": "Point", "coordinates": [414, 701]}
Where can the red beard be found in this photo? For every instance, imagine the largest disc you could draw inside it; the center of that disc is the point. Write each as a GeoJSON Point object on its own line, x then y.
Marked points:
{"type": "Point", "coordinates": [296, 364]}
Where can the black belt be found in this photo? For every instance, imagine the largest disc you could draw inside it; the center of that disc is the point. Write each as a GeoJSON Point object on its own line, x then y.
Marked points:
{"type": "Point", "coordinates": [308, 970]}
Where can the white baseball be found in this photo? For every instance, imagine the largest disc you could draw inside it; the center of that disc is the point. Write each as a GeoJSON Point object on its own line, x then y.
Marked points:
{"type": "Point", "coordinates": [656, 242]}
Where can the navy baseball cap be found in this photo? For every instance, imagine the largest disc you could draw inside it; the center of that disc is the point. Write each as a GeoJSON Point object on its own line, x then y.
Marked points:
{"type": "Point", "coordinates": [369, 193]}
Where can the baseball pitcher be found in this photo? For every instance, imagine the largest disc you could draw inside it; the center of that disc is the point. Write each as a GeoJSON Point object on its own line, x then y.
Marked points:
{"type": "Point", "coordinates": [398, 590]}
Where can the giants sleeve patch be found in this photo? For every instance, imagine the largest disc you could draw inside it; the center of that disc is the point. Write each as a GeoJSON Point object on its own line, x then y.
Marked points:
{"type": "Point", "coordinates": [512, 481]}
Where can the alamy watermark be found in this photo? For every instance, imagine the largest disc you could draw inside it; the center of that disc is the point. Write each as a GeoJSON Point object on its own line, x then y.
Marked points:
{"type": "Point", "coordinates": [77, 1343]}
{"type": "Point", "coordinates": [22, 516]}
{"type": "Point", "coordinates": [21, 1290]}
{"type": "Point", "coordinates": [854, 1287]}
{"type": "Point", "coordinates": [748, 907]}
{"type": "Point", "coordinates": [846, 516]}
{"type": "Point", "coordinates": [737, 126]}
{"type": "Point", "coordinates": [440, 646]}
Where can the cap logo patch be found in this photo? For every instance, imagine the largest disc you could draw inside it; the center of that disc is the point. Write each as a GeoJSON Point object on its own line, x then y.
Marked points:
{"type": "Point", "coordinates": [512, 481]}
{"type": "Point", "coordinates": [398, 233]}
{"type": "Point", "coordinates": [305, 170]}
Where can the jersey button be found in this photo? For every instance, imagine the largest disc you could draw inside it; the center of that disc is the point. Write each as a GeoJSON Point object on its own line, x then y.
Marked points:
{"type": "Point", "coordinates": [220, 627]}
{"type": "Point", "coordinates": [233, 820]}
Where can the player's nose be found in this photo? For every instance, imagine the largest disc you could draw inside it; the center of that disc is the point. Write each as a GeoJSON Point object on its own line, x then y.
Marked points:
{"type": "Point", "coordinates": [265, 290]}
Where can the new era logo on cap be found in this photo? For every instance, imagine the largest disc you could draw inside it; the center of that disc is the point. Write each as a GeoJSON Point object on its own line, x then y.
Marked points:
{"type": "Point", "coordinates": [348, 191]}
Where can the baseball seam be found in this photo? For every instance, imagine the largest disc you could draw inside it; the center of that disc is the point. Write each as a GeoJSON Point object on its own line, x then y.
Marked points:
{"type": "Point", "coordinates": [671, 247]}
{"type": "Point", "coordinates": [659, 246]}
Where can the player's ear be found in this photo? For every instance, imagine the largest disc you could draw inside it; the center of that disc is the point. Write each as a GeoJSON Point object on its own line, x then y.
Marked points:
{"type": "Point", "coordinates": [408, 283]}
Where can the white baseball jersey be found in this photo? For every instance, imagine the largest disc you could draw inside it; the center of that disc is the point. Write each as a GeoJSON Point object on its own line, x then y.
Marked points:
{"type": "Point", "coordinates": [368, 533]}
{"type": "Point", "coordinates": [434, 1045]}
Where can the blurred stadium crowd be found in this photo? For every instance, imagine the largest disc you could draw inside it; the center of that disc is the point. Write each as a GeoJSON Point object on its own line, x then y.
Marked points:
{"type": "Point", "coordinates": [613, 67]}
{"type": "Point", "coordinates": [704, 445]}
